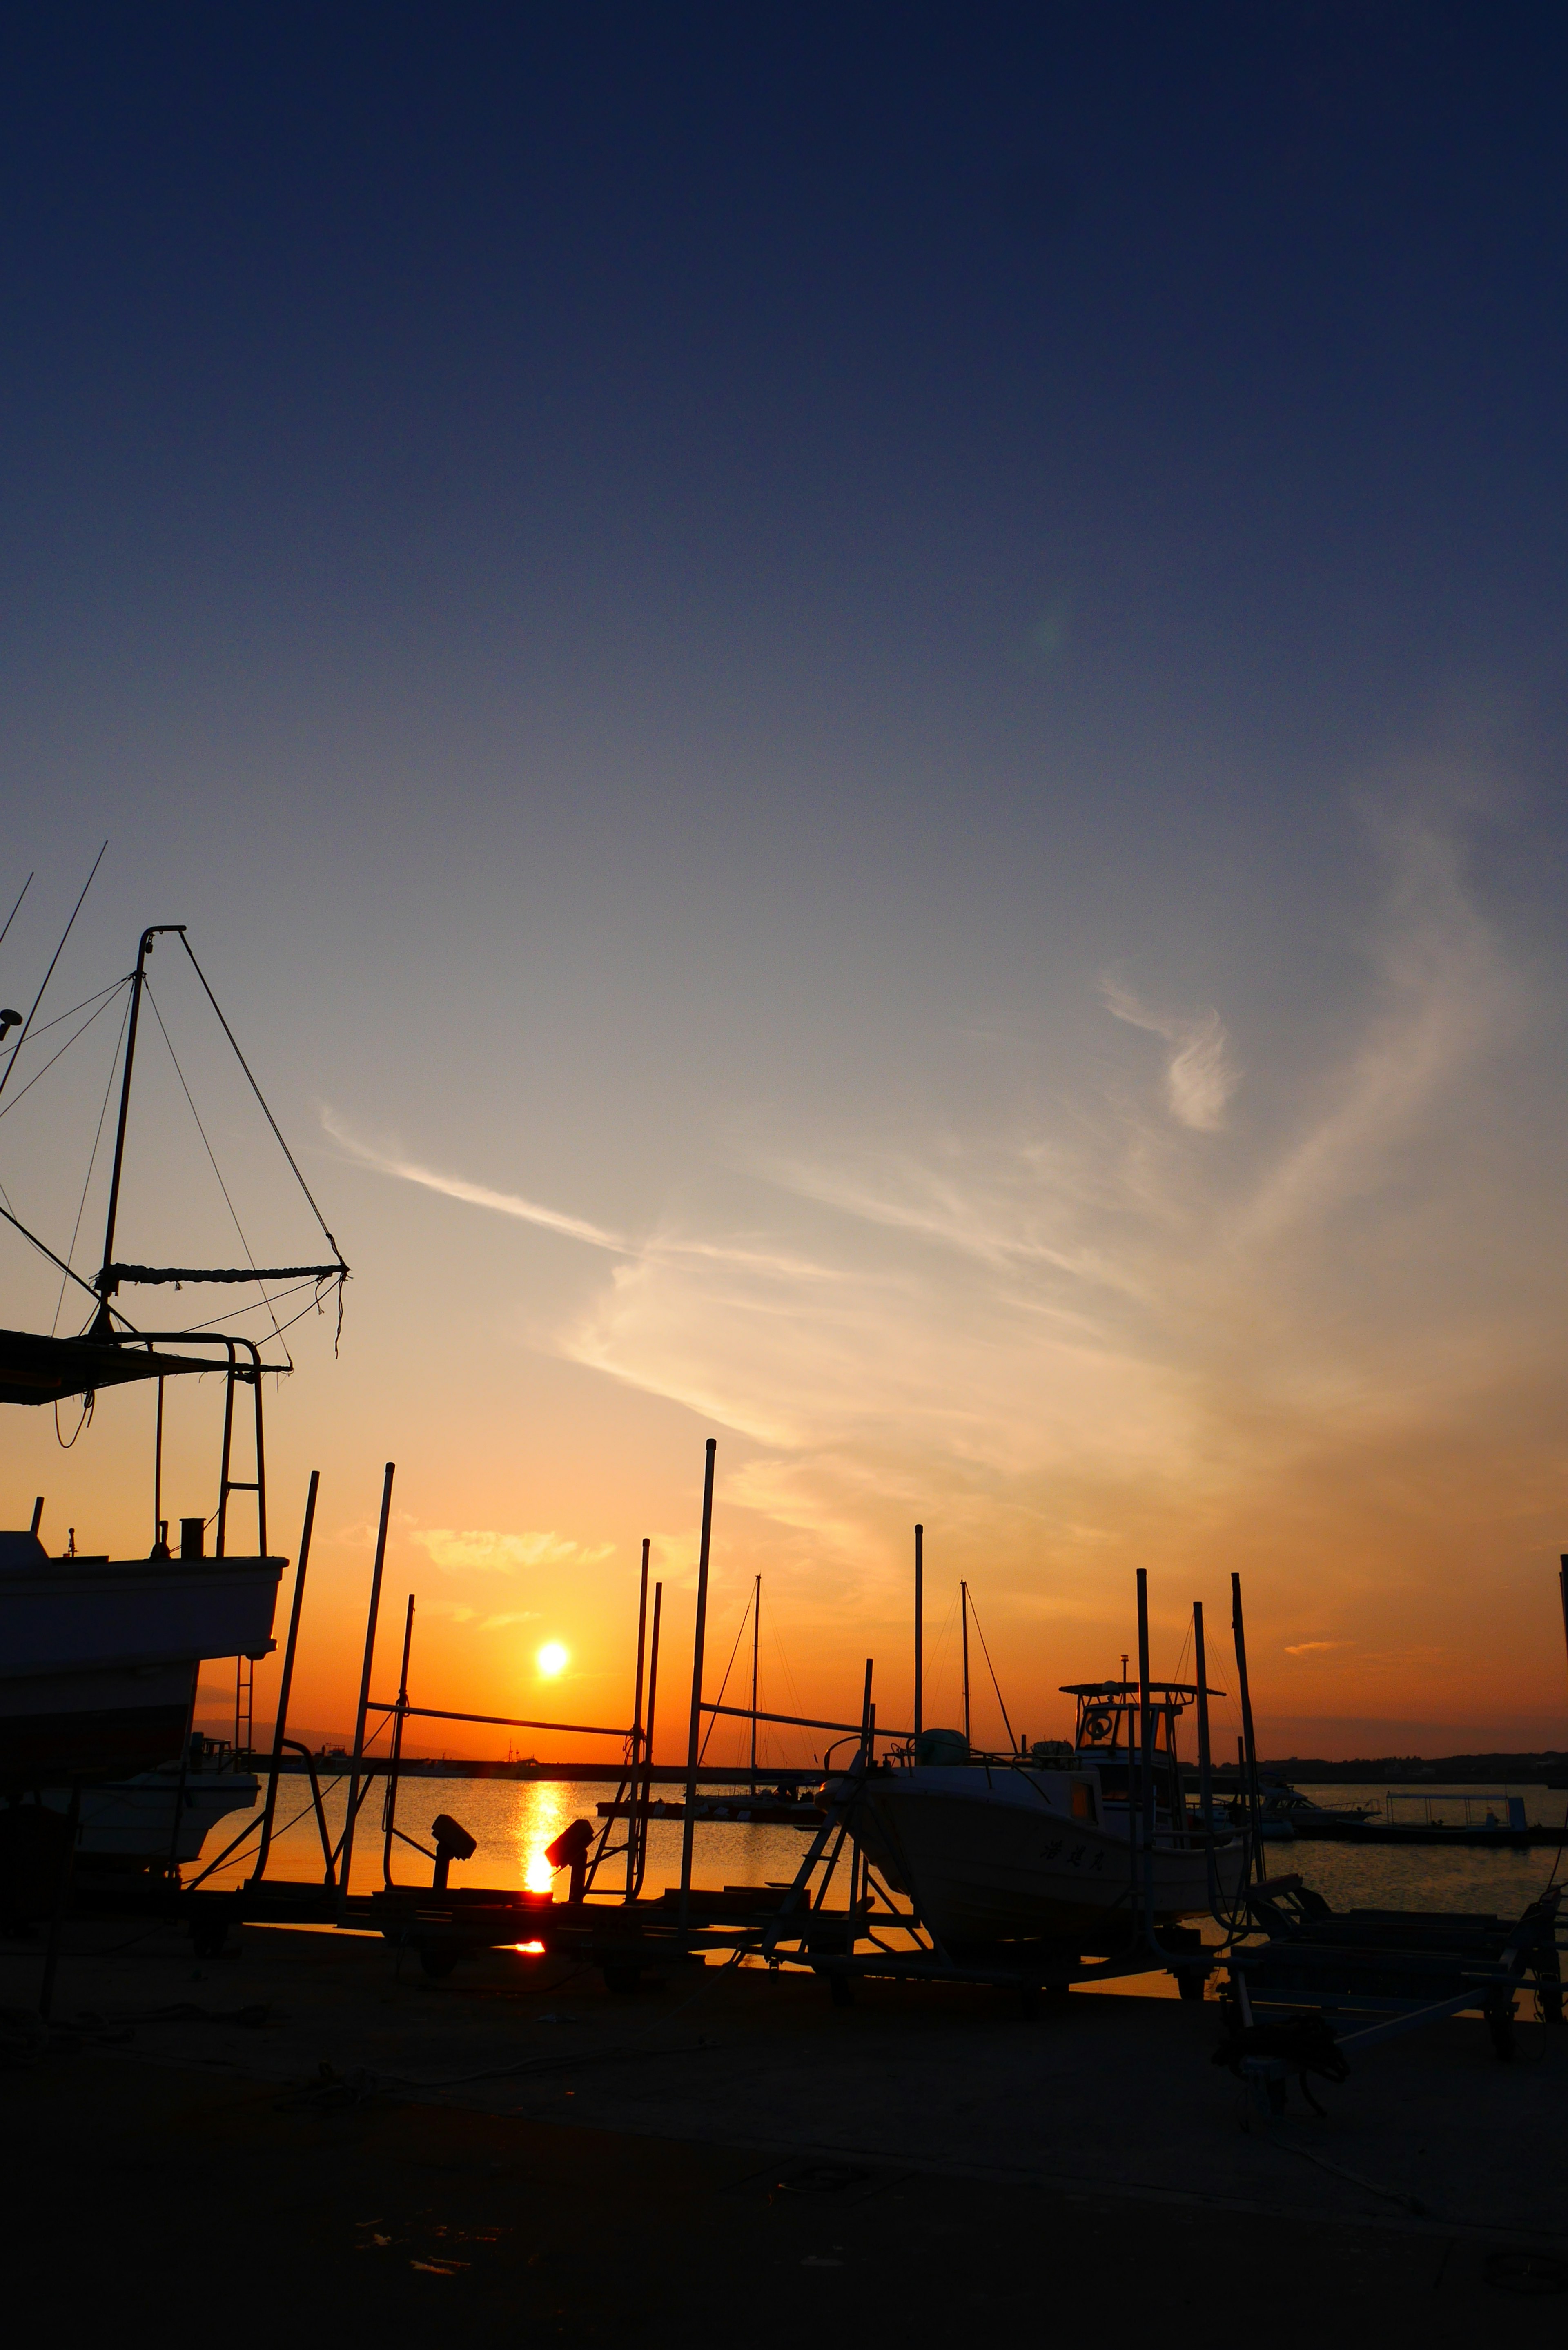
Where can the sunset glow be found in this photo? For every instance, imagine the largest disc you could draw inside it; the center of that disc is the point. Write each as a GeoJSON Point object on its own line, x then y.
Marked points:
{"type": "Point", "coordinates": [553, 1659]}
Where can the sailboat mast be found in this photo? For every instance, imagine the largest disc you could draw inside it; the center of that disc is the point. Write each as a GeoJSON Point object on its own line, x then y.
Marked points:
{"type": "Point", "coordinates": [756, 1641]}
{"type": "Point", "coordinates": [105, 1285]}
{"type": "Point", "coordinates": [963, 1599]}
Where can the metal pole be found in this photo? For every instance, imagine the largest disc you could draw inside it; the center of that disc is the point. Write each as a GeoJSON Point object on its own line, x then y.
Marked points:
{"type": "Point", "coordinates": [389, 1793]}
{"type": "Point", "coordinates": [286, 1683]}
{"type": "Point", "coordinates": [635, 1778]}
{"type": "Point", "coordinates": [919, 1636]}
{"type": "Point", "coordinates": [1249, 1742]}
{"type": "Point", "coordinates": [1205, 1760]}
{"type": "Point", "coordinates": [756, 1644]}
{"type": "Point", "coordinates": [374, 1610]}
{"type": "Point", "coordinates": [158, 1472]}
{"type": "Point", "coordinates": [104, 1288]}
{"type": "Point", "coordinates": [37, 1514]}
{"type": "Point", "coordinates": [647, 1739]}
{"type": "Point", "coordinates": [963, 1601]}
{"type": "Point", "coordinates": [1145, 1751]}
{"type": "Point", "coordinates": [699, 1634]}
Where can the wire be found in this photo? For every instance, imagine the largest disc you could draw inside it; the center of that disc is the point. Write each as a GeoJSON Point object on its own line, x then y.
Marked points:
{"type": "Point", "coordinates": [261, 1097]}
{"type": "Point", "coordinates": [995, 1684]}
{"type": "Point", "coordinates": [81, 1205]}
{"type": "Point", "coordinates": [724, 1685]}
{"type": "Point", "coordinates": [109, 994]}
{"type": "Point", "coordinates": [250, 1257]}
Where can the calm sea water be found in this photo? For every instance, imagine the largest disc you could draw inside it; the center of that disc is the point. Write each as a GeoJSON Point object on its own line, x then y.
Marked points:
{"type": "Point", "coordinates": [514, 1821]}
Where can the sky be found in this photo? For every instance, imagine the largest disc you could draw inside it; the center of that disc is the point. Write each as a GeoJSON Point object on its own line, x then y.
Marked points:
{"type": "Point", "coordinates": [861, 712]}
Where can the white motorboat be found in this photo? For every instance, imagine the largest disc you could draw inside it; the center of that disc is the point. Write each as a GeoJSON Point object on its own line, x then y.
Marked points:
{"type": "Point", "coordinates": [997, 1848]}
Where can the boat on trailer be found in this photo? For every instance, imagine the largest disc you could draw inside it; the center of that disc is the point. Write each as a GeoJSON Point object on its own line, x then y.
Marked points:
{"type": "Point", "coordinates": [1088, 1843]}
{"type": "Point", "coordinates": [99, 1655]}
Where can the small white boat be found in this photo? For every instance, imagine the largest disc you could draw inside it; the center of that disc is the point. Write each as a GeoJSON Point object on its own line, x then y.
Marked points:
{"type": "Point", "coordinates": [1004, 1848]}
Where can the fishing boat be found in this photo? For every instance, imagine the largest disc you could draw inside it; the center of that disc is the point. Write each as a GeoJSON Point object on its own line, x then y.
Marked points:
{"type": "Point", "coordinates": [1086, 1847]}
{"type": "Point", "coordinates": [100, 1654]}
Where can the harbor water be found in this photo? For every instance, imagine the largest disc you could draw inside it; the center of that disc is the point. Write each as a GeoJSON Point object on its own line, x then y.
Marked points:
{"type": "Point", "coordinates": [513, 1820]}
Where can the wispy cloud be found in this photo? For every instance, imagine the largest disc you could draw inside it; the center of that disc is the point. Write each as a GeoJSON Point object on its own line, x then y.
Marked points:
{"type": "Point", "coordinates": [1200, 1078]}
{"type": "Point", "coordinates": [386, 1161]}
{"type": "Point", "coordinates": [482, 1549]}
{"type": "Point", "coordinates": [1315, 1647]}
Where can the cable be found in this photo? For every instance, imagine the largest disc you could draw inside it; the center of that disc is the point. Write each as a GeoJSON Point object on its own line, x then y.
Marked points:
{"type": "Point", "coordinates": [81, 1205]}
{"type": "Point", "coordinates": [261, 1097]}
{"type": "Point", "coordinates": [108, 994]}
{"type": "Point", "coordinates": [250, 1255]}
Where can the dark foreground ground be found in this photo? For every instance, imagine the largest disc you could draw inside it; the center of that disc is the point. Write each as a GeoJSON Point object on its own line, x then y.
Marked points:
{"type": "Point", "coordinates": [515, 2155]}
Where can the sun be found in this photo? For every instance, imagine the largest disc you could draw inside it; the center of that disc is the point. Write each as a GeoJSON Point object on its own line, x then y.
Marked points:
{"type": "Point", "coordinates": [553, 1659]}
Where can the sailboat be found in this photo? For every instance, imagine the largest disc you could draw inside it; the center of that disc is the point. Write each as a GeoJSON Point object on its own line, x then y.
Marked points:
{"type": "Point", "coordinates": [99, 1655]}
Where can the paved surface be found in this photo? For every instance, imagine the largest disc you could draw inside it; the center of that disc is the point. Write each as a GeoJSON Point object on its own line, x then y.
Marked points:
{"type": "Point", "coordinates": [737, 2149]}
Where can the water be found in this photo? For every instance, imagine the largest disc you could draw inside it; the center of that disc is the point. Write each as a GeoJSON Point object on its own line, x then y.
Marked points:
{"type": "Point", "coordinates": [513, 1820]}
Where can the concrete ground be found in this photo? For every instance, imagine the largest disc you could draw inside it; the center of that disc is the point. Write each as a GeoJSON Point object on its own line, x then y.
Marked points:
{"type": "Point", "coordinates": [329, 2141]}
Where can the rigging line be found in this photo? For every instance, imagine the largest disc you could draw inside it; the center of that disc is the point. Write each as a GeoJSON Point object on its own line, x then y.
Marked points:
{"type": "Point", "coordinates": [107, 999]}
{"type": "Point", "coordinates": [250, 1257]}
{"type": "Point", "coordinates": [724, 1685]}
{"type": "Point", "coordinates": [49, 1252]}
{"type": "Point", "coordinates": [44, 1026]}
{"type": "Point", "coordinates": [236, 1312]}
{"type": "Point", "coordinates": [17, 907]}
{"type": "Point", "coordinates": [98, 1137]}
{"type": "Point", "coordinates": [75, 909]}
{"type": "Point", "coordinates": [261, 1097]}
{"type": "Point", "coordinates": [995, 1684]}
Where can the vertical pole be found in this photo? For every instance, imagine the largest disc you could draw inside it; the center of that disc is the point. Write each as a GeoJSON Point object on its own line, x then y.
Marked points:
{"type": "Point", "coordinates": [158, 1472]}
{"type": "Point", "coordinates": [963, 1603]}
{"type": "Point", "coordinates": [634, 1780]}
{"type": "Point", "coordinates": [1204, 1758]}
{"type": "Point", "coordinates": [101, 1324]}
{"type": "Point", "coordinates": [373, 1612]}
{"type": "Point", "coordinates": [390, 1800]}
{"type": "Point", "coordinates": [261, 1460]}
{"type": "Point", "coordinates": [699, 1637]}
{"type": "Point", "coordinates": [62, 1903]}
{"type": "Point", "coordinates": [229, 1377]}
{"type": "Point", "coordinates": [647, 1739]}
{"type": "Point", "coordinates": [1145, 1750]}
{"type": "Point", "coordinates": [37, 1514]}
{"type": "Point", "coordinates": [756, 1645]}
{"type": "Point", "coordinates": [286, 1683]}
{"type": "Point", "coordinates": [919, 1636]}
{"type": "Point", "coordinates": [1249, 1741]}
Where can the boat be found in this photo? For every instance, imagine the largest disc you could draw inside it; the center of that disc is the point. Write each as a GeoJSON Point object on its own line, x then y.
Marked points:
{"type": "Point", "coordinates": [161, 1818]}
{"type": "Point", "coordinates": [99, 1654]}
{"type": "Point", "coordinates": [1040, 1847]}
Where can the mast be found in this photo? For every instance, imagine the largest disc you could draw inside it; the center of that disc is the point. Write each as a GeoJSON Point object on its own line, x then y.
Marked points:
{"type": "Point", "coordinates": [1247, 1743]}
{"type": "Point", "coordinates": [103, 1327]}
{"type": "Point", "coordinates": [699, 1639]}
{"type": "Point", "coordinates": [756, 1640]}
{"type": "Point", "coordinates": [919, 1636]}
{"type": "Point", "coordinates": [1205, 1762]}
{"type": "Point", "coordinates": [963, 1601]}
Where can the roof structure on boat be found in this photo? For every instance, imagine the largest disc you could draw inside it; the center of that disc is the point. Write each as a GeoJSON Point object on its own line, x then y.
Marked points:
{"type": "Point", "coordinates": [1132, 1689]}
{"type": "Point", "coordinates": [36, 1370]}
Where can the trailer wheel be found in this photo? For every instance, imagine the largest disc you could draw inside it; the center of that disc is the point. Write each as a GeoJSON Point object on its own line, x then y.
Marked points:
{"type": "Point", "coordinates": [1190, 1982]}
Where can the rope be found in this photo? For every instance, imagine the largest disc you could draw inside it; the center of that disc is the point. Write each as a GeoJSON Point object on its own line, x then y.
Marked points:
{"type": "Point", "coordinates": [724, 1684]}
{"type": "Point", "coordinates": [261, 1098]}
{"type": "Point", "coordinates": [990, 1668]}
{"type": "Point", "coordinates": [211, 1155]}
{"type": "Point", "coordinates": [107, 994]}
{"type": "Point", "coordinates": [81, 1204]}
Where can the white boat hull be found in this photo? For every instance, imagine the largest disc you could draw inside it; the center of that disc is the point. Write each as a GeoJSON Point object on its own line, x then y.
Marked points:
{"type": "Point", "coordinates": [134, 1820]}
{"type": "Point", "coordinates": [997, 1859]}
{"type": "Point", "coordinates": [98, 1658]}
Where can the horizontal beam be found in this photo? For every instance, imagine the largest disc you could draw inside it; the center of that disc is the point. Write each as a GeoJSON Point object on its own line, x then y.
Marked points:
{"type": "Point", "coordinates": [799, 1721]}
{"type": "Point", "coordinates": [498, 1721]}
{"type": "Point", "coordinates": [150, 1276]}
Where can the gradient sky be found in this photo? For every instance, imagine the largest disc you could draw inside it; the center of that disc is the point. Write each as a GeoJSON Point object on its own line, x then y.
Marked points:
{"type": "Point", "coordinates": [862, 711]}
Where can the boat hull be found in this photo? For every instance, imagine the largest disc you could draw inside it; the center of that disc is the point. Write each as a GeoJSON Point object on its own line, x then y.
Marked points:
{"type": "Point", "coordinates": [98, 1658]}
{"type": "Point", "coordinates": [982, 1870]}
